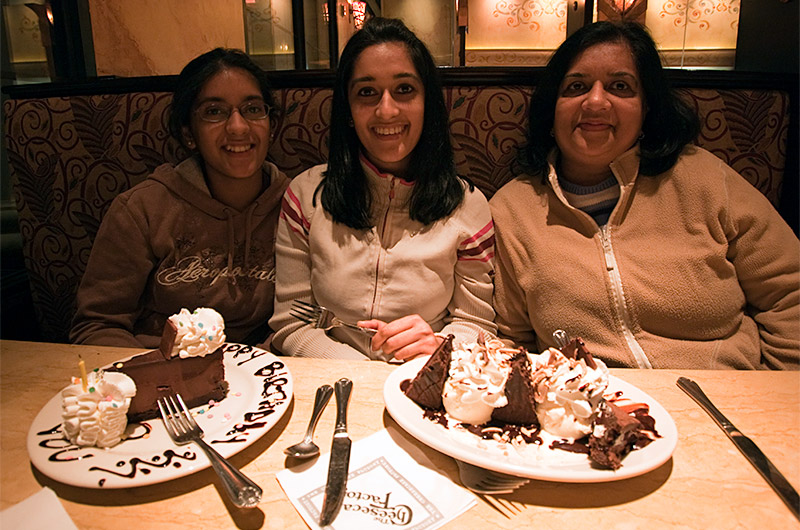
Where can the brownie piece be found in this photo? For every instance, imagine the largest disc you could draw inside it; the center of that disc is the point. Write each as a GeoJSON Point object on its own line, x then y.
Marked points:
{"type": "Point", "coordinates": [521, 407]}
{"type": "Point", "coordinates": [576, 349]}
{"type": "Point", "coordinates": [614, 435]}
{"type": "Point", "coordinates": [426, 388]}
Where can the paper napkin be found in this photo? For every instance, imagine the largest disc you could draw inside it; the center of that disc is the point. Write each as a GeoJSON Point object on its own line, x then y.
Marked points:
{"type": "Point", "coordinates": [386, 488]}
{"type": "Point", "coordinates": [40, 511]}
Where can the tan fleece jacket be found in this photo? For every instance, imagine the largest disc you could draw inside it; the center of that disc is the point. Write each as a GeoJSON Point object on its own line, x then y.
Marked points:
{"type": "Point", "coordinates": [695, 269]}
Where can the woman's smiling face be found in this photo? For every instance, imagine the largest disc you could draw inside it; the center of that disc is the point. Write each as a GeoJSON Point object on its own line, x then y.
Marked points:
{"type": "Point", "coordinates": [234, 148]}
{"type": "Point", "coordinates": [599, 111]}
{"type": "Point", "coordinates": [387, 104]}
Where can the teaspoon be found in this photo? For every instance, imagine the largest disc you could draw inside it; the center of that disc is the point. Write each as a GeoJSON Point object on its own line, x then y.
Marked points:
{"type": "Point", "coordinates": [307, 448]}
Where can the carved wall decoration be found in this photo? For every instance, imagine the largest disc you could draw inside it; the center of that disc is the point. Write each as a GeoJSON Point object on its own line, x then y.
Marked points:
{"type": "Point", "coordinates": [622, 10]}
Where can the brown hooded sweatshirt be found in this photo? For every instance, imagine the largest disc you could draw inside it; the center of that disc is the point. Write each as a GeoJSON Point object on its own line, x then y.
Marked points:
{"type": "Point", "coordinates": [167, 244]}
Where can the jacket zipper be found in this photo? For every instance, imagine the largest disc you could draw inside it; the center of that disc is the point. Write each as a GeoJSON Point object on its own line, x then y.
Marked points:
{"type": "Point", "coordinates": [619, 299]}
{"type": "Point", "coordinates": [380, 248]}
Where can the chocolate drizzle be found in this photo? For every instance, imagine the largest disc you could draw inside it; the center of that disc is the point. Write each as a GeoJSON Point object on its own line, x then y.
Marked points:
{"type": "Point", "coordinates": [273, 393]}
{"type": "Point", "coordinates": [63, 446]}
{"type": "Point", "coordinates": [136, 462]}
{"type": "Point", "coordinates": [54, 430]}
{"type": "Point", "coordinates": [248, 352]}
{"type": "Point", "coordinates": [578, 446]}
{"type": "Point", "coordinates": [505, 432]}
{"type": "Point", "coordinates": [144, 427]}
{"type": "Point", "coordinates": [239, 428]}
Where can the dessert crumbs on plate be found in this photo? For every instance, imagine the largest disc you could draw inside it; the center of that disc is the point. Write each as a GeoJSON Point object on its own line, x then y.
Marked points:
{"type": "Point", "coordinates": [521, 448]}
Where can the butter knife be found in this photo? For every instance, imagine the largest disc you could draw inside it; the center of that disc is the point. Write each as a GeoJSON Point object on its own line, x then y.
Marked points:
{"type": "Point", "coordinates": [748, 448]}
{"type": "Point", "coordinates": [336, 487]}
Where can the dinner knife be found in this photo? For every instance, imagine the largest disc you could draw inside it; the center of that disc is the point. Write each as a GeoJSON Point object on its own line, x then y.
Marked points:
{"type": "Point", "coordinates": [336, 487]}
{"type": "Point", "coordinates": [748, 448]}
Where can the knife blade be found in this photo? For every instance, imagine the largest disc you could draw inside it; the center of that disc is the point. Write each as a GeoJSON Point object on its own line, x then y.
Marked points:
{"type": "Point", "coordinates": [339, 464]}
{"type": "Point", "coordinates": [747, 447]}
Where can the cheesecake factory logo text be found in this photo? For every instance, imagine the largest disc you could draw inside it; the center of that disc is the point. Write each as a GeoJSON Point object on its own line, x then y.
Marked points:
{"type": "Point", "coordinates": [378, 507]}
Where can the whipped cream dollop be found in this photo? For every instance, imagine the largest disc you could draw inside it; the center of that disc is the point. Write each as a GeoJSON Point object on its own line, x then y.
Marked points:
{"type": "Point", "coordinates": [568, 392]}
{"type": "Point", "coordinates": [199, 333]}
{"type": "Point", "coordinates": [476, 382]}
{"type": "Point", "coordinates": [97, 416]}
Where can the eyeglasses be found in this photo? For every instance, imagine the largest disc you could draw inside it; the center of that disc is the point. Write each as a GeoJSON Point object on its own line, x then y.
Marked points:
{"type": "Point", "coordinates": [215, 112]}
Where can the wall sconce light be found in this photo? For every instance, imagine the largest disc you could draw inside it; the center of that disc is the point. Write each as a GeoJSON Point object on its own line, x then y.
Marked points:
{"type": "Point", "coordinates": [359, 10]}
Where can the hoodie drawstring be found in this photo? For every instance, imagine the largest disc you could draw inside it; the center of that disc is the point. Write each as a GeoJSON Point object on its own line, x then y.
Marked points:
{"type": "Point", "coordinates": [231, 247]}
{"type": "Point", "coordinates": [248, 237]}
{"type": "Point", "coordinates": [248, 219]}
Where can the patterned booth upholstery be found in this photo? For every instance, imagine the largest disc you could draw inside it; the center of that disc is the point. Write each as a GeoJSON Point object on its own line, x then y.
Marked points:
{"type": "Point", "coordinates": [70, 156]}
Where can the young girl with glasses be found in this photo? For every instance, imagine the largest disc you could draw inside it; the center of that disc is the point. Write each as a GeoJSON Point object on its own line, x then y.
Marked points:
{"type": "Point", "coordinates": [197, 234]}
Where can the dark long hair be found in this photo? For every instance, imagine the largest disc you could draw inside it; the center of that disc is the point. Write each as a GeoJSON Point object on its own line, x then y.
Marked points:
{"type": "Point", "coordinates": [199, 70]}
{"type": "Point", "coordinates": [669, 123]}
{"type": "Point", "coordinates": [344, 189]}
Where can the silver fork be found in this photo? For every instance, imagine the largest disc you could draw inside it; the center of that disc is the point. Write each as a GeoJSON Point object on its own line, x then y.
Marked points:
{"type": "Point", "coordinates": [322, 317]}
{"type": "Point", "coordinates": [182, 428]}
{"type": "Point", "coordinates": [487, 482]}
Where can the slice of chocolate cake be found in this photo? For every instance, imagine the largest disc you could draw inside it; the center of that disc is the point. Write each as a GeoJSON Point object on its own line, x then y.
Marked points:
{"type": "Point", "coordinates": [158, 374]}
{"type": "Point", "coordinates": [613, 436]}
{"type": "Point", "coordinates": [519, 390]}
{"type": "Point", "coordinates": [426, 388]}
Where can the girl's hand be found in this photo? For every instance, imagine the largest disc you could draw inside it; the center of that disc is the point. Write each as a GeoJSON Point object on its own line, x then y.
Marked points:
{"type": "Point", "coordinates": [403, 338]}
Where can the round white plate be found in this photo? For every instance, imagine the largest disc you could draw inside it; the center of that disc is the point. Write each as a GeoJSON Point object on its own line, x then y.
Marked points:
{"type": "Point", "coordinates": [260, 390]}
{"type": "Point", "coordinates": [529, 460]}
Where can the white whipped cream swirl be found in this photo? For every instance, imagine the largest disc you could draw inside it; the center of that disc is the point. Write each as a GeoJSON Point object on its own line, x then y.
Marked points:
{"type": "Point", "coordinates": [199, 333]}
{"type": "Point", "coordinates": [568, 393]}
{"type": "Point", "coordinates": [477, 380]}
{"type": "Point", "coordinates": [97, 416]}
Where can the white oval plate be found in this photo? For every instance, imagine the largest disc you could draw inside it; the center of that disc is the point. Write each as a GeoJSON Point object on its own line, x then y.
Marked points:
{"type": "Point", "coordinates": [530, 461]}
{"type": "Point", "coordinates": [260, 390]}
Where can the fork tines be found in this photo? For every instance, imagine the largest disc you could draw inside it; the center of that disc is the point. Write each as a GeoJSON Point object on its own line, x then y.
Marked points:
{"type": "Point", "coordinates": [487, 482]}
{"type": "Point", "coordinates": [177, 420]}
{"type": "Point", "coordinates": [500, 482]}
{"type": "Point", "coordinates": [305, 312]}
{"type": "Point", "coordinates": [504, 507]}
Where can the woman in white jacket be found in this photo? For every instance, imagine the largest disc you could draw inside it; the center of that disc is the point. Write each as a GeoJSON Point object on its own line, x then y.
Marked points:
{"type": "Point", "coordinates": [386, 234]}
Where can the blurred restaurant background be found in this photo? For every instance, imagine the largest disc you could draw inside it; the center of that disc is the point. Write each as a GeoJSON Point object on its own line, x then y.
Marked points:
{"type": "Point", "coordinates": [81, 39]}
